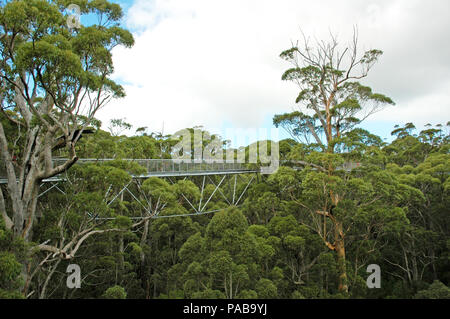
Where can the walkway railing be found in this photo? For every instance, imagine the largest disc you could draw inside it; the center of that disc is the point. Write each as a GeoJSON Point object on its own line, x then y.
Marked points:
{"type": "Point", "coordinates": [168, 166]}
{"type": "Point", "coordinates": [180, 166]}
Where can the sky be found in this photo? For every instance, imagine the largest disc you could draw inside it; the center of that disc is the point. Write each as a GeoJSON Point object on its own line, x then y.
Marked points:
{"type": "Point", "coordinates": [216, 63]}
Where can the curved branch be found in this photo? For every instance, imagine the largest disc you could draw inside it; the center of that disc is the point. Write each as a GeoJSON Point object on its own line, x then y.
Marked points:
{"type": "Point", "coordinates": [63, 253]}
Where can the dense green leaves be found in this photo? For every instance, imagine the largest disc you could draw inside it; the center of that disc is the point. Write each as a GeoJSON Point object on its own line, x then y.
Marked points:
{"type": "Point", "coordinates": [393, 214]}
{"type": "Point", "coordinates": [13, 253]}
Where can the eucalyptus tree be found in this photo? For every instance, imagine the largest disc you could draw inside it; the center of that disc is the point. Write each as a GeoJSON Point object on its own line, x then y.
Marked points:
{"type": "Point", "coordinates": [331, 100]}
{"type": "Point", "coordinates": [421, 161]}
{"type": "Point", "coordinates": [54, 79]}
{"type": "Point", "coordinates": [227, 261]}
{"type": "Point", "coordinates": [331, 103]}
{"type": "Point", "coordinates": [90, 206]}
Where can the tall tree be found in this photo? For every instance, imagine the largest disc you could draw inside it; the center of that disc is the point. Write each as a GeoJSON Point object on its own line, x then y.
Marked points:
{"type": "Point", "coordinates": [331, 100]}
{"type": "Point", "coordinates": [331, 103]}
{"type": "Point", "coordinates": [53, 79]}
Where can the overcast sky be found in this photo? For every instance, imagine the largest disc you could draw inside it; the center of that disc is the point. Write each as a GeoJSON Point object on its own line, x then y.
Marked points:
{"type": "Point", "coordinates": [216, 62]}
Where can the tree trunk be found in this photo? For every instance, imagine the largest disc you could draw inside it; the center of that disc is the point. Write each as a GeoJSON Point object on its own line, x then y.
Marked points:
{"type": "Point", "coordinates": [145, 281]}
{"type": "Point", "coordinates": [121, 257]}
{"type": "Point", "coordinates": [340, 251]}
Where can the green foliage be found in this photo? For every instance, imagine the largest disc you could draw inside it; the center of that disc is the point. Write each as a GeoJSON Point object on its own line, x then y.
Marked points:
{"type": "Point", "coordinates": [266, 289]}
{"type": "Point", "coordinates": [12, 254]}
{"type": "Point", "coordinates": [437, 290]}
{"type": "Point", "coordinates": [116, 292]}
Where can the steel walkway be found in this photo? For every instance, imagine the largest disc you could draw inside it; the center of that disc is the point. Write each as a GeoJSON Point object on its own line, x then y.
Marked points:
{"type": "Point", "coordinates": [167, 168]}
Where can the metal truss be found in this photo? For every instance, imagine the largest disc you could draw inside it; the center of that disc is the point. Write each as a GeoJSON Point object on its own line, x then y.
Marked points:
{"type": "Point", "coordinates": [46, 185]}
{"type": "Point", "coordinates": [153, 210]}
{"type": "Point", "coordinates": [49, 185]}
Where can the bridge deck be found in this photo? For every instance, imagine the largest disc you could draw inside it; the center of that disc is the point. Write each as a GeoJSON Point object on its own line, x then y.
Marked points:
{"type": "Point", "coordinates": [167, 168]}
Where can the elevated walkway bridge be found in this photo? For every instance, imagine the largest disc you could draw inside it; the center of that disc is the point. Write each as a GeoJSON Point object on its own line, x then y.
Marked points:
{"type": "Point", "coordinates": [166, 168]}
{"type": "Point", "coordinates": [171, 170]}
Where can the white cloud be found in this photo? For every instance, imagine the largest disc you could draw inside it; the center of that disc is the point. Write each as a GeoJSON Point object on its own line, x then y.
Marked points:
{"type": "Point", "coordinates": [215, 63]}
{"type": "Point", "coordinates": [426, 109]}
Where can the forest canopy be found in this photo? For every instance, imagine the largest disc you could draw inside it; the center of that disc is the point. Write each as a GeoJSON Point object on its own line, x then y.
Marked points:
{"type": "Point", "coordinates": [266, 247]}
